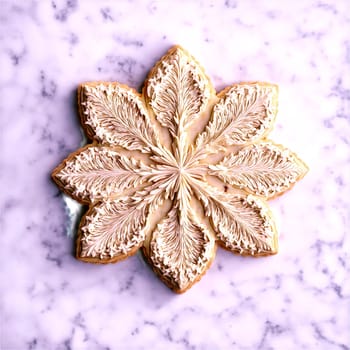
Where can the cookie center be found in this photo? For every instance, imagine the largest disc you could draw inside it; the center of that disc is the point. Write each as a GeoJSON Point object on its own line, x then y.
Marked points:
{"type": "Point", "coordinates": [181, 170]}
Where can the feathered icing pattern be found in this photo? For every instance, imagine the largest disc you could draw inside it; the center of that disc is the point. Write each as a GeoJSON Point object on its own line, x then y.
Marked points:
{"type": "Point", "coordinates": [244, 113]}
{"type": "Point", "coordinates": [242, 223]}
{"type": "Point", "coordinates": [97, 173]}
{"type": "Point", "coordinates": [115, 228]}
{"type": "Point", "coordinates": [263, 169]}
{"type": "Point", "coordinates": [117, 116]}
{"type": "Point", "coordinates": [177, 91]}
{"type": "Point", "coordinates": [180, 249]}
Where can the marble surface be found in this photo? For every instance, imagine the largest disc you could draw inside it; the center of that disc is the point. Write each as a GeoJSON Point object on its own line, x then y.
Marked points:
{"type": "Point", "coordinates": [298, 299]}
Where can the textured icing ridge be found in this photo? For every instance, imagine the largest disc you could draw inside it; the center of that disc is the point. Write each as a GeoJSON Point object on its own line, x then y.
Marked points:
{"type": "Point", "coordinates": [113, 228]}
{"type": "Point", "coordinates": [178, 91]}
{"type": "Point", "coordinates": [116, 115]}
{"type": "Point", "coordinates": [242, 223]}
{"type": "Point", "coordinates": [263, 169]}
{"type": "Point", "coordinates": [244, 113]}
{"type": "Point", "coordinates": [98, 172]}
{"type": "Point", "coordinates": [181, 249]}
{"type": "Point", "coordinates": [176, 170]}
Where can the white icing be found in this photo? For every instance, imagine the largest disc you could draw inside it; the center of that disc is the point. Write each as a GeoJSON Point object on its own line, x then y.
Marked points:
{"type": "Point", "coordinates": [117, 116]}
{"type": "Point", "coordinates": [263, 169]}
{"type": "Point", "coordinates": [178, 91]}
{"type": "Point", "coordinates": [181, 249]}
{"type": "Point", "coordinates": [96, 173]}
{"type": "Point", "coordinates": [243, 114]}
{"type": "Point", "coordinates": [113, 228]}
{"type": "Point", "coordinates": [242, 223]}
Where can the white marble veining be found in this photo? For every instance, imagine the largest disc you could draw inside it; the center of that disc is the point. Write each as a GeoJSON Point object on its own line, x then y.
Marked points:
{"type": "Point", "coordinates": [298, 299]}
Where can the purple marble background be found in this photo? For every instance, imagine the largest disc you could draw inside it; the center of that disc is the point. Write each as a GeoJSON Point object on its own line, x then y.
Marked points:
{"type": "Point", "coordinates": [298, 299]}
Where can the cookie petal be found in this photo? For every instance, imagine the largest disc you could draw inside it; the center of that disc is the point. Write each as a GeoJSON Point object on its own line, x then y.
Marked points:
{"type": "Point", "coordinates": [243, 114]}
{"type": "Point", "coordinates": [264, 169]}
{"type": "Point", "coordinates": [181, 250]}
{"type": "Point", "coordinates": [177, 90]}
{"type": "Point", "coordinates": [243, 224]}
{"type": "Point", "coordinates": [111, 231]}
{"type": "Point", "coordinates": [115, 115]}
{"type": "Point", "coordinates": [95, 173]}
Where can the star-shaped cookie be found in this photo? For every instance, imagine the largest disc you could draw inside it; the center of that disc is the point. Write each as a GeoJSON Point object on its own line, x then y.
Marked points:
{"type": "Point", "coordinates": [177, 170]}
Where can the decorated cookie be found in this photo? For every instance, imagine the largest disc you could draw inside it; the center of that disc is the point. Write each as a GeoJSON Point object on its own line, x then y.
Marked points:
{"type": "Point", "coordinates": [177, 170]}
